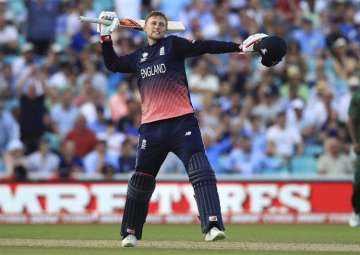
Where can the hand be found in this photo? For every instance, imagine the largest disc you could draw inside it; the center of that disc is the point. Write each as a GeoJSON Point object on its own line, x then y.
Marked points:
{"type": "Point", "coordinates": [247, 46]}
{"type": "Point", "coordinates": [107, 29]}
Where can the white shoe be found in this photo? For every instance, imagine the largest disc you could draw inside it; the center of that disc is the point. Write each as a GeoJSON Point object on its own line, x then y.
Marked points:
{"type": "Point", "coordinates": [129, 241]}
{"type": "Point", "coordinates": [354, 220]}
{"type": "Point", "coordinates": [214, 234]}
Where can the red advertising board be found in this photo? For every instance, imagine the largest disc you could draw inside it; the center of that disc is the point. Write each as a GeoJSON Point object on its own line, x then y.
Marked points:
{"type": "Point", "coordinates": [173, 202]}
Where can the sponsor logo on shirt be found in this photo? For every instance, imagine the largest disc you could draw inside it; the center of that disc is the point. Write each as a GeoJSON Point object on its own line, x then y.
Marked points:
{"type": "Point", "coordinates": [153, 70]}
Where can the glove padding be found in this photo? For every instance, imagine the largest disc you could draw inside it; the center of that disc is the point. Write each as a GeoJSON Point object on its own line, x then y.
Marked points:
{"type": "Point", "coordinates": [107, 29]}
{"type": "Point", "coordinates": [248, 45]}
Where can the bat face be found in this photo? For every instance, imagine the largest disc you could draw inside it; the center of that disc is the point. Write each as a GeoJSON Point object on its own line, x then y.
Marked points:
{"type": "Point", "coordinates": [173, 26]}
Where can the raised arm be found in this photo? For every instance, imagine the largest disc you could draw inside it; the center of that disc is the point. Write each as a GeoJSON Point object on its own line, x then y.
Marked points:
{"type": "Point", "coordinates": [192, 48]}
{"type": "Point", "coordinates": [113, 62]}
{"type": "Point", "coordinates": [186, 48]}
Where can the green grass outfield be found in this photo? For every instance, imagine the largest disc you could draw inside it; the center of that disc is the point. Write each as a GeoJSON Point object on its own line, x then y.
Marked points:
{"type": "Point", "coordinates": [179, 239]}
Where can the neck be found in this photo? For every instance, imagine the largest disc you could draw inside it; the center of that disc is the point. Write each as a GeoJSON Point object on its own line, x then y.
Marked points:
{"type": "Point", "coordinates": [151, 41]}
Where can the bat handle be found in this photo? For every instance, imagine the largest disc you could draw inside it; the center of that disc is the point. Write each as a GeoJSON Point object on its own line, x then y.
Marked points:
{"type": "Point", "coordinates": [95, 20]}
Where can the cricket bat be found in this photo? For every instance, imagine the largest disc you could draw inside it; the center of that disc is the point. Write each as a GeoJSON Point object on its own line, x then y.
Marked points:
{"type": "Point", "coordinates": [137, 24]}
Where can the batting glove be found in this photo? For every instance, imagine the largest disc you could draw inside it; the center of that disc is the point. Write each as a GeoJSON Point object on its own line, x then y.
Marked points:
{"type": "Point", "coordinates": [248, 45]}
{"type": "Point", "coordinates": [107, 29]}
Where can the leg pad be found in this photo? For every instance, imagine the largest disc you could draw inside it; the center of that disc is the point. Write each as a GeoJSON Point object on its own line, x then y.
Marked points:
{"type": "Point", "coordinates": [202, 177]}
{"type": "Point", "coordinates": [140, 188]}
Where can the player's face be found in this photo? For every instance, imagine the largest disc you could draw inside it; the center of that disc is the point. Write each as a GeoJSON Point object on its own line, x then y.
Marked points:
{"type": "Point", "coordinates": [155, 27]}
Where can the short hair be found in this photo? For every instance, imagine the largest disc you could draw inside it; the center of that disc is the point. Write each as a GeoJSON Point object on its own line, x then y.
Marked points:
{"type": "Point", "coordinates": [156, 13]}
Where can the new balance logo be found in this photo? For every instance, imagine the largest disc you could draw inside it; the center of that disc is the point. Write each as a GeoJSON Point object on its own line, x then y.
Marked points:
{"type": "Point", "coordinates": [162, 51]}
{"type": "Point", "coordinates": [143, 144]}
{"type": "Point", "coordinates": [188, 133]}
{"type": "Point", "coordinates": [263, 51]}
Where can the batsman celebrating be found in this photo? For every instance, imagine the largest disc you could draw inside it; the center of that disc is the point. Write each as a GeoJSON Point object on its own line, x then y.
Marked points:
{"type": "Point", "coordinates": [168, 122]}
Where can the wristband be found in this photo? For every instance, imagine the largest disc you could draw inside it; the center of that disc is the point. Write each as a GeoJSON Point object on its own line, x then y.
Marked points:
{"type": "Point", "coordinates": [105, 38]}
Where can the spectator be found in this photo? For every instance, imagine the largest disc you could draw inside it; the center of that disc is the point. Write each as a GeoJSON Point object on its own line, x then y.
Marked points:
{"type": "Point", "coordinates": [99, 162]}
{"type": "Point", "coordinates": [60, 79]}
{"type": "Point", "coordinates": [42, 164]}
{"type": "Point", "coordinates": [295, 86]}
{"type": "Point", "coordinates": [53, 63]}
{"type": "Point", "coordinates": [114, 138]}
{"type": "Point", "coordinates": [41, 20]}
{"type": "Point", "coordinates": [82, 38]}
{"type": "Point", "coordinates": [70, 166]}
{"type": "Point", "coordinates": [224, 97]}
{"type": "Point", "coordinates": [295, 58]}
{"type": "Point", "coordinates": [344, 101]}
{"type": "Point", "coordinates": [15, 161]}
{"type": "Point", "coordinates": [215, 150]}
{"type": "Point", "coordinates": [99, 125]}
{"type": "Point", "coordinates": [31, 91]}
{"type": "Point", "coordinates": [344, 63]}
{"type": "Point", "coordinates": [126, 160]}
{"type": "Point", "coordinates": [297, 119]}
{"type": "Point", "coordinates": [244, 159]}
{"type": "Point", "coordinates": [64, 114]}
{"type": "Point", "coordinates": [334, 162]}
{"type": "Point", "coordinates": [25, 61]}
{"type": "Point", "coordinates": [7, 83]}
{"type": "Point", "coordinates": [310, 39]}
{"type": "Point", "coordinates": [88, 100]}
{"type": "Point", "coordinates": [283, 141]}
{"type": "Point", "coordinates": [8, 36]}
{"type": "Point", "coordinates": [334, 30]}
{"type": "Point", "coordinates": [84, 138]}
{"type": "Point", "coordinates": [202, 83]}
{"type": "Point", "coordinates": [320, 104]}
{"type": "Point", "coordinates": [97, 78]}
{"type": "Point", "coordinates": [255, 129]}
{"type": "Point", "coordinates": [9, 129]}
{"type": "Point", "coordinates": [118, 103]}
{"type": "Point", "coordinates": [267, 103]}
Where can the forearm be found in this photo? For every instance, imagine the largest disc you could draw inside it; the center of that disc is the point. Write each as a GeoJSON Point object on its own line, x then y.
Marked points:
{"type": "Point", "coordinates": [215, 47]}
{"type": "Point", "coordinates": [186, 48]}
{"type": "Point", "coordinates": [112, 61]}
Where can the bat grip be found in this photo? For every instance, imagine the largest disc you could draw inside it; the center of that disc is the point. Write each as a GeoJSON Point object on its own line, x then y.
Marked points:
{"type": "Point", "coordinates": [95, 20]}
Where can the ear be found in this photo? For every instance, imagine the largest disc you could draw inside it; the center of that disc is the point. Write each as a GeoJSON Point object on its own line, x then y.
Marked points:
{"type": "Point", "coordinates": [145, 26]}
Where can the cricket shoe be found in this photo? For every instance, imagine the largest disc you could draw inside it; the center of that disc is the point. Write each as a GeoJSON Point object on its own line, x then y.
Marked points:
{"type": "Point", "coordinates": [129, 241]}
{"type": "Point", "coordinates": [214, 234]}
{"type": "Point", "coordinates": [354, 220]}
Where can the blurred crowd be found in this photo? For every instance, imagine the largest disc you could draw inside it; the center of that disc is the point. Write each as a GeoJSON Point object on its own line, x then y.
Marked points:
{"type": "Point", "coordinates": [64, 116]}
